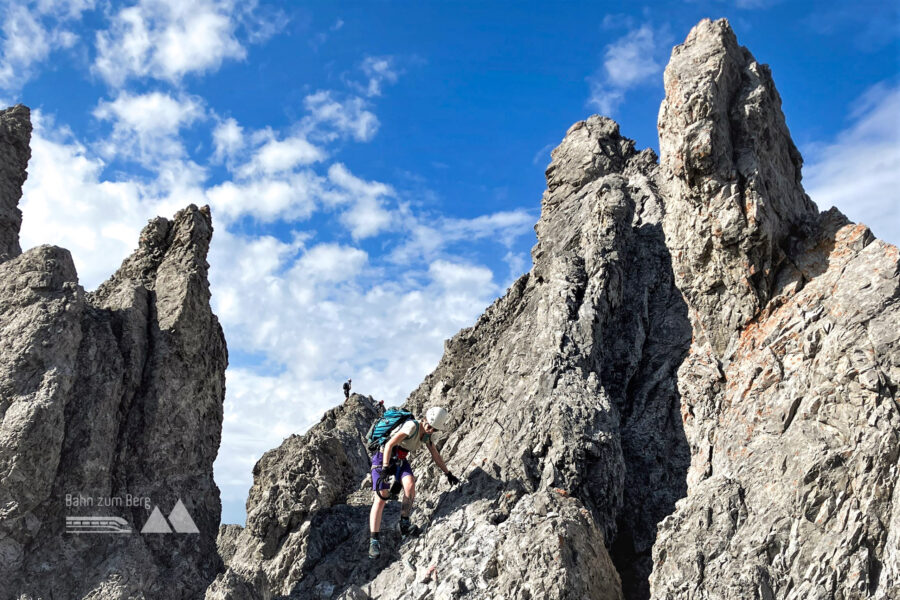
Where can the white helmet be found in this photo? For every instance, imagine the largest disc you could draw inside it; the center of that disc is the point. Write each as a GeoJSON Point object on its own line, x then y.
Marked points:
{"type": "Point", "coordinates": [438, 417]}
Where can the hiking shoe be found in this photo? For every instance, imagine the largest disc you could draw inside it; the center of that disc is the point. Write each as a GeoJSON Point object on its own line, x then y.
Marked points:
{"type": "Point", "coordinates": [407, 529]}
{"type": "Point", "coordinates": [374, 548]}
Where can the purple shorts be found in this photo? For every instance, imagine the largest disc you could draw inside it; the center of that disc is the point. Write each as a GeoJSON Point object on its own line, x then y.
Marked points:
{"type": "Point", "coordinates": [399, 469]}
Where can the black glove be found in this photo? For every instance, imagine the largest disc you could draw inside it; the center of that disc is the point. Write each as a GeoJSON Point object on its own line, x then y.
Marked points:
{"type": "Point", "coordinates": [453, 479]}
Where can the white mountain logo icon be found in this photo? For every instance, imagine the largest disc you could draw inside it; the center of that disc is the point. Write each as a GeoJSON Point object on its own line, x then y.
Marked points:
{"type": "Point", "coordinates": [179, 518]}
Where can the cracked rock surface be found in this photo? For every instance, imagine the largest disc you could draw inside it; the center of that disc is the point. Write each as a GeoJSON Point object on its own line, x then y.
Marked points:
{"type": "Point", "coordinates": [690, 395]}
{"type": "Point", "coordinates": [789, 390]}
{"type": "Point", "coordinates": [567, 429]}
{"type": "Point", "coordinates": [106, 395]}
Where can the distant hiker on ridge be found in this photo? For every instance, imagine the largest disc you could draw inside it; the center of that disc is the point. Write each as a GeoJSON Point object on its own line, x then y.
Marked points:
{"type": "Point", "coordinates": [393, 436]}
{"type": "Point", "coordinates": [347, 389]}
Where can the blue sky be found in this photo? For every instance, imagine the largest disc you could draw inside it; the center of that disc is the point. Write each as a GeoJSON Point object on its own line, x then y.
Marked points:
{"type": "Point", "coordinates": [375, 169]}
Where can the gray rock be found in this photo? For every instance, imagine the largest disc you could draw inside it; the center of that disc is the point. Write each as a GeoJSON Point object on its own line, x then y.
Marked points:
{"type": "Point", "coordinates": [292, 517]}
{"type": "Point", "coordinates": [691, 394]}
{"type": "Point", "coordinates": [226, 542]}
{"type": "Point", "coordinates": [788, 393]}
{"type": "Point", "coordinates": [732, 181]}
{"type": "Point", "coordinates": [41, 307]}
{"type": "Point", "coordinates": [15, 133]}
{"type": "Point", "coordinates": [107, 398]}
{"type": "Point", "coordinates": [579, 353]}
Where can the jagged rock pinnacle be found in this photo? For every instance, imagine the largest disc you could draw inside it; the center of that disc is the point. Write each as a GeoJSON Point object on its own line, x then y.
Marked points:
{"type": "Point", "coordinates": [788, 393]}
{"type": "Point", "coordinates": [112, 399]}
{"type": "Point", "coordinates": [15, 133]}
{"type": "Point", "coordinates": [732, 180]}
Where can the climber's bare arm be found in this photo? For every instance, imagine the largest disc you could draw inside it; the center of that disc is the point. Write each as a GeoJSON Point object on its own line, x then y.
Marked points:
{"type": "Point", "coordinates": [437, 457]}
{"type": "Point", "coordinates": [389, 447]}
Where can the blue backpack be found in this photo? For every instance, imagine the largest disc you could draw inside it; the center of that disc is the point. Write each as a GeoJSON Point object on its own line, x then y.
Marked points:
{"type": "Point", "coordinates": [381, 429]}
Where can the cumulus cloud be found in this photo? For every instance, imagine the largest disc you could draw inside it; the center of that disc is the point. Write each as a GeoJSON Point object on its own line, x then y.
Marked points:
{"type": "Point", "coordinates": [31, 30]}
{"type": "Point", "coordinates": [167, 39]}
{"type": "Point", "coordinates": [146, 126]}
{"type": "Point", "coordinates": [859, 171]}
{"type": "Point", "coordinates": [629, 62]}
{"type": "Point", "coordinates": [379, 70]}
{"type": "Point", "coordinates": [428, 238]}
{"type": "Point", "coordinates": [291, 197]}
{"type": "Point", "coordinates": [331, 263]}
{"type": "Point", "coordinates": [348, 118]}
{"type": "Point", "coordinates": [228, 139]}
{"type": "Point", "coordinates": [367, 215]}
{"type": "Point", "coordinates": [278, 156]}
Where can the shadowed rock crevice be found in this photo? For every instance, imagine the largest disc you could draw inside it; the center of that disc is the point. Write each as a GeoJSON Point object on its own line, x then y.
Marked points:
{"type": "Point", "coordinates": [651, 339]}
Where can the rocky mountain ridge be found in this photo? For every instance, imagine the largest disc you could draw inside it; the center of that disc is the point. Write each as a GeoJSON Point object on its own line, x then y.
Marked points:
{"type": "Point", "coordinates": [692, 394]}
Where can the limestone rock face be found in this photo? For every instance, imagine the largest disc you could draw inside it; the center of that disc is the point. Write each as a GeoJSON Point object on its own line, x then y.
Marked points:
{"type": "Point", "coordinates": [692, 394]}
{"type": "Point", "coordinates": [110, 405]}
{"type": "Point", "coordinates": [789, 391]}
{"type": "Point", "coordinates": [729, 163]}
{"type": "Point", "coordinates": [15, 133]}
{"type": "Point", "coordinates": [289, 523]}
{"type": "Point", "coordinates": [567, 428]}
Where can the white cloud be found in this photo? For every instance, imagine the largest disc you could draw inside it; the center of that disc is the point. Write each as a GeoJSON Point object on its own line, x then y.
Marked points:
{"type": "Point", "coordinates": [228, 139]}
{"type": "Point", "coordinates": [278, 156]}
{"type": "Point", "coordinates": [859, 171]}
{"type": "Point", "coordinates": [167, 39]}
{"type": "Point", "coordinates": [31, 31]}
{"type": "Point", "coordinates": [629, 62]}
{"type": "Point", "coordinates": [65, 203]}
{"type": "Point", "coordinates": [290, 198]}
{"type": "Point", "coordinates": [506, 225]}
{"type": "Point", "coordinates": [146, 127]}
{"type": "Point", "coordinates": [348, 118]}
{"type": "Point", "coordinates": [428, 238]}
{"type": "Point", "coordinates": [379, 70]}
{"type": "Point", "coordinates": [341, 176]}
{"type": "Point", "coordinates": [331, 263]}
{"type": "Point", "coordinates": [367, 215]}
{"type": "Point", "coordinates": [153, 113]}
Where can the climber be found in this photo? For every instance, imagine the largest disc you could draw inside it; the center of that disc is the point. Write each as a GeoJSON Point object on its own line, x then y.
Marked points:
{"type": "Point", "coordinates": [392, 459]}
{"type": "Point", "coordinates": [347, 389]}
